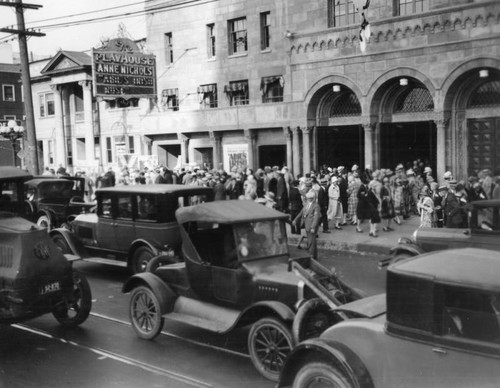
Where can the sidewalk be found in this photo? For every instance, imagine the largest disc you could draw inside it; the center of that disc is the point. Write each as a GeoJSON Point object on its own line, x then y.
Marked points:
{"type": "Point", "coordinates": [348, 239]}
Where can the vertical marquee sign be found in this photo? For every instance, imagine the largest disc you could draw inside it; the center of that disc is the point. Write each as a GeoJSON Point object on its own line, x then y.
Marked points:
{"type": "Point", "coordinates": [120, 70]}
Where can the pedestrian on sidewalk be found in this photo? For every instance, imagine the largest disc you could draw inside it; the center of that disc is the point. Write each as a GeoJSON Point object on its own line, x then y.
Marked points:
{"type": "Point", "coordinates": [322, 199]}
{"type": "Point", "coordinates": [374, 202]}
{"type": "Point", "coordinates": [425, 206]}
{"type": "Point", "coordinates": [344, 197]}
{"type": "Point", "coordinates": [353, 185]}
{"type": "Point", "coordinates": [334, 212]}
{"type": "Point", "coordinates": [309, 218]}
{"type": "Point", "coordinates": [363, 210]}
{"type": "Point", "coordinates": [387, 205]}
{"type": "Point", "coordinates": [295, 204]}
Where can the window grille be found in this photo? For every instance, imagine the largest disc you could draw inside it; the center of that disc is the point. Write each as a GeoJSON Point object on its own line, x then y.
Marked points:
{"type": "Point", "coordinates": [346, 105]}
{"type": "Point", "coordinates": [416, 99]}
{"type": "Point", "coordinates": [485, 95]}
{"type": "Point", "coordinates": [237, 36]}
{"type": "Point", "coordinates": [410, 7]}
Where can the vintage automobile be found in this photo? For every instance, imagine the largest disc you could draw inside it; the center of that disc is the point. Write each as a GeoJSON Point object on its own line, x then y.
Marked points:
{"type": "Point", "coordinates": [236, 272]}
{"type": "Point", "coordinates": [52, 202]}
{"type": "Point", "coordinates": [35, 277]}
{"type": "Point", "coordinates": [483, 232]}
{"type": "Point", "coordinates": [438, 325]}
{"type": "Point", "coordinates": [12, 189]}
{"type": "Point", "coordinates": [131, 225]}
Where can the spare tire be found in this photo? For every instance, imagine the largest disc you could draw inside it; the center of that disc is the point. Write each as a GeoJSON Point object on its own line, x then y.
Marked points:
{"type": "Point", "coordinates": [312, 319]}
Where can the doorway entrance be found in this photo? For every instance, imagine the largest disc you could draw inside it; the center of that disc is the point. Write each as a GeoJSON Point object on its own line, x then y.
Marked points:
{"type": "Point", "coordinates": [484, 145]}
{"type": "Point", "coordinates": [340, 146]}
{"type": "Point", "coordinates": [406, 142]}
{"type": "Point", "coordinates": [168, 155]}
{"type": "Point", "coordinates": [272, 155]}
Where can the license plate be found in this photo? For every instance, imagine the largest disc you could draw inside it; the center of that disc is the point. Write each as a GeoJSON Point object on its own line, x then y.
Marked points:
{"type": "Point", "coordinates": [51, 287]}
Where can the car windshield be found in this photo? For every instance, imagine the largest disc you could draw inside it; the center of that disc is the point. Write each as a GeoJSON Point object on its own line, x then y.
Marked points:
{"type": "Point", "coordinates": [55, 190]}
{"type": "Point", "coordinates": [261, 239]}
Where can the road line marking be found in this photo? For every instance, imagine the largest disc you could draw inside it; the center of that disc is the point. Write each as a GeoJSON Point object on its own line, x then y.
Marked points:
{"type": "Point", "coordinates": [168, 334]}
{"type": "Point", "coordinates": [126, 360]}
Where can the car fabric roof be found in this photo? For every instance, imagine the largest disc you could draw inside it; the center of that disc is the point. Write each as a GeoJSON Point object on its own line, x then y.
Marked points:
{"type": "Point", "coordinates": [228, 212]}
{"type": "Point", "coordinates": [468, 267]}
{"type": "Point", "coordinates": [155, 189]}
{"type": "Point", "coordinates": [9, 172]}
{"type": "Point", "coordinates": [38, 181]}
{"type": "Point", "coordinates": [486, 203]}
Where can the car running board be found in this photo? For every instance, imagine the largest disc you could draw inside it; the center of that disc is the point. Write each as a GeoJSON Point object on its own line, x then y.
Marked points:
{"type": "Point", "coordinates": [101, 260]}
{"type": "Point", "coordinates": [204, 315]}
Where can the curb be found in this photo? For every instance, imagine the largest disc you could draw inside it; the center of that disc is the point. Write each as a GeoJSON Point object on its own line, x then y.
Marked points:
{"type": "Point", "coordinates": [363, 248]}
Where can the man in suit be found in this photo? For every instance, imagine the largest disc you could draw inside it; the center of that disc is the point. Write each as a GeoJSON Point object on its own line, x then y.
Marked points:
{"type": "Point", "coordinates": [449, 205]}
{"type": "Point", "coordinates": [310, 217]}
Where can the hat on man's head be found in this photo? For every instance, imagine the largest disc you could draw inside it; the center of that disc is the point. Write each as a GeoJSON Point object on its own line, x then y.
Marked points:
{"type": "Point", "coordinates": [443, 188]}
{"type": "Point", "coordinates": [354, 167]}
{"type": "Point", "coordinates": [447, 175]}
{"type": "Point", "coordinates": [340, 169]}
{"type": "Point", "coordinates": [334, 179]}
{"type": "Point", "coordinates": [427, 170]}
{"type": "Point", "coordinates": [399, 167]}
{"type": "Point", "coordinates": [410, 172]}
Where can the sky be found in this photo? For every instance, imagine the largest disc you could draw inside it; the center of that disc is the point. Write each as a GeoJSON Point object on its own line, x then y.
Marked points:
{"type": "Point", "coordinates": [74, 38]}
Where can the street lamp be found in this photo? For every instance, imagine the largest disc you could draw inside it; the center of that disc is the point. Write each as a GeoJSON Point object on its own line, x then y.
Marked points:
{"type": "Point", "coordinates": [12, 131]}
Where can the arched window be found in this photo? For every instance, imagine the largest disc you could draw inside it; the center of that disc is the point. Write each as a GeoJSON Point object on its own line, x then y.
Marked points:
{"type": "Point", "coordinates": [485, 96]}
{"type": "Point", "coordinates": [347, 104]}
{"type": "Point", "coordinates": [417, 99]}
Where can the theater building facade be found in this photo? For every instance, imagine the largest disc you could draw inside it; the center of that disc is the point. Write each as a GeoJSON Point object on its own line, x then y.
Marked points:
{"type": "Point", "coordinates": [278, 82]}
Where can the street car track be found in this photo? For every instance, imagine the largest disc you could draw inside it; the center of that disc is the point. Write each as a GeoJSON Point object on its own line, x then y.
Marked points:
{"type": "Point", "coordinates": [120, 358]}
{"type": "Point", "coordinates": [168, 334]}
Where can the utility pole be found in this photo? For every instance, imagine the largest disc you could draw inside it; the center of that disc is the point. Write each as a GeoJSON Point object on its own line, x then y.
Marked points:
{"type": "Point", "coordinates": [31, 151]}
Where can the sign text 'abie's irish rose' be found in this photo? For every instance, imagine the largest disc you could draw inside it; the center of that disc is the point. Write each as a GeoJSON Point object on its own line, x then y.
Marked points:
{"type": "Point", "coordinates": [121, 70]}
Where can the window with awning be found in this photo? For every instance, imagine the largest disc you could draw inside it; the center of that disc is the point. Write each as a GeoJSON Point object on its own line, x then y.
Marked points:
{"type": "Point", "coordinates": [271, 89]}
{"type": "Point", "coordinates": [237, 92]}
{"type": "Point", "coordinates": [208, 95]}
{"type": "Point", "coordinates": [170, 99]}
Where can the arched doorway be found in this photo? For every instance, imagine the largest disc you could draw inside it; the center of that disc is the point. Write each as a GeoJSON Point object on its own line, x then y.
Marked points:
{"type": "Point", "coordinates": [407, 131]}
{"type": "Point", "coordinates": [339, 134]}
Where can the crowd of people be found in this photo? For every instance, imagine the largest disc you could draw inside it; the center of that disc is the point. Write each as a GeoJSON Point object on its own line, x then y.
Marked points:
{"type": "Point", "coordinates": [331, 198]}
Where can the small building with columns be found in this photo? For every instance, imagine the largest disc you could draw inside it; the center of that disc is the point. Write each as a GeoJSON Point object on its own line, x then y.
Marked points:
{"type": "Point", "coordinates": [280, 82]}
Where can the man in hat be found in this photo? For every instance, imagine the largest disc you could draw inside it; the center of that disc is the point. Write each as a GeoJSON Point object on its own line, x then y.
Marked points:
{"type": "Point", "coordinates": [295, 204]}
{"type": "Point", "coordinates": [322, 199]}
{"type": "Point", "coordinates": [448, 204]}
{"type": "Point", "coordinates": [309, 218]}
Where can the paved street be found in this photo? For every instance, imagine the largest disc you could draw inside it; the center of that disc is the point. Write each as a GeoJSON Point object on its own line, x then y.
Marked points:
{"type": "Point", "coordinates": [104, 351]}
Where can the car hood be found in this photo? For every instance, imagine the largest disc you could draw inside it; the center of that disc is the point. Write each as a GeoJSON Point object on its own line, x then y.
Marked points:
{"type": "Point", "coordinates": [87, 217]}
{"type": "Point", "coordinates": [273, 270]}
{"type": "Point", "coordinates": [445, 234]}
{"type": "Point", "coordinates": [369, 307]}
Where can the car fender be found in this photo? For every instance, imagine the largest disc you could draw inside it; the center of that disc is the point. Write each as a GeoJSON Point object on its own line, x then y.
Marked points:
{"type": "Point", "coordinates": [50, 214]}
{"type": "Point", "coordinates": [331, 352]}
{"type": "Point", "coordinates": [409, 248]}
{"type": "Point", "coordinates": [74, 244]}
{"type": "Point", "coordinates": [264, 309]}
{"type": "Point", "coordinates": [166, 296]}
{"type": "Point", "coordinates": [139, 243]}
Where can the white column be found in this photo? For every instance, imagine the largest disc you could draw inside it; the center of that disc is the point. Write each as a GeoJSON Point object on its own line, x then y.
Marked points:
{"type": "Point", "coordinates": [60, 139]}
{"type": "Point", "coordinates": [306, 149]}
{"type": "Point", "coordinates": [184, 148]}
{"type": "Point", "coordinates": [368, 127]}
{"type": "Point", "coordinates": [215, 139]}
{"type": "Point", "coordinates": [440, 148]}
{"type": "Point", "coordinates": [288, 137]}
{"type": "Point", "coordinates": [296, 151]}
{"type": "Point", "coordinates": [89, 122]}
{"type": "Point", "coordinates": [250, 138]}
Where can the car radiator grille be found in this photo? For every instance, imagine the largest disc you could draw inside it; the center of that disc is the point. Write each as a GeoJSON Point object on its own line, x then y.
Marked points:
{"type": "Point", "coordinates": [6, 256]}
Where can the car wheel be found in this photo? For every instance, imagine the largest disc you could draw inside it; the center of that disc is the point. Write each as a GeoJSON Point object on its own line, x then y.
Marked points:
{"type": "Point", "coordinates": [61, 243]}
{"type": "Point", "coordinates": [319, 374]}
{"type": "Point", "coordinates": [145, 313]}
{"type": "Point", "coordinates": [269, 343]}
{"type": "Point", "coordinates": [312, 319]}
{"type": "Point", "coordinates": [76, 310]}
{"type": "Point", "coordinates": [44, 221]}
{"type": "Point", "coordinates": [140, 259]}
{"type": "Point", "coordinates": [400, 257]}
{"type": "Point", "coordinates": [159, 261]}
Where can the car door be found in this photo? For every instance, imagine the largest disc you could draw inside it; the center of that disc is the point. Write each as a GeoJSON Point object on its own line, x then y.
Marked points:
{"type": "Point", "coordinates": [106, 225]}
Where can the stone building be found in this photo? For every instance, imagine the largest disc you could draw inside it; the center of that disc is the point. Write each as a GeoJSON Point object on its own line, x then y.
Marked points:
{"type": "Point", "coordinates": [285, 82]}
{"type": "Point", "coordinates": [275, 82]}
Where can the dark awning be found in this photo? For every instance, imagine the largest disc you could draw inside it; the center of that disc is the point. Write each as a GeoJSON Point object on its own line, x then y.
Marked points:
{"type": "Point", "coordinates": [236, 87]}
{"type": "Point", "coordinates": [266, 81]}
{"type": "Point", "coordinates": [169, 92]}
{"type": "Point", "coordinates": [212, 88]}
